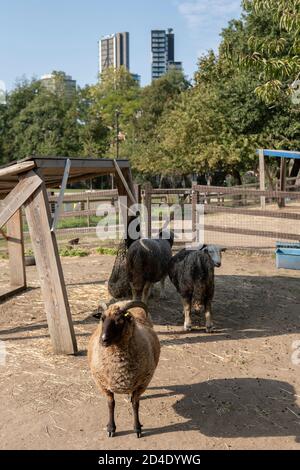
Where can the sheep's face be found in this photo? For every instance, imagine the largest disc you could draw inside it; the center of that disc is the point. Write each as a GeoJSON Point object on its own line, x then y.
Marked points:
{"type": "Point", "coordinates": [114, 325]}
{"type": "Point", "coordinates": [215, 252]}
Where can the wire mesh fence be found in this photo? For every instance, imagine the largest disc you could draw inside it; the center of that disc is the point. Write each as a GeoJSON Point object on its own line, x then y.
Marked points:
{"type": "Point", "coordinates": [231, 217]}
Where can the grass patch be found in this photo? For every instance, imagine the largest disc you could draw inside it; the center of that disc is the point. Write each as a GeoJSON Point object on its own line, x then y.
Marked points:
{"type": "Point", "coordinates": [73, 252]}
{"type": "Point", "coordinates": [107, 251]}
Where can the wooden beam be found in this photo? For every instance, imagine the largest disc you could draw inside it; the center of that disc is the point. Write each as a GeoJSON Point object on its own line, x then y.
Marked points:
{"type": "Point", "coordinates": [253, 233]}
{"type": "Point", "coordinates": [16, 169]}
{"type": "Point", "coordinates": [11, 292]}
{"type": "Point", "coordinates": [148, 207]}
{"type": "Point", "coordinates": [262, 178]}
{"type": "Point", "coordinates": [3, 234]}
{"type": "Point", "coordinates": [125, 184]}
{"type": "Point", "coordinates": [50, 272]}
{"type": "Point", "coordinates": [16, 250]}
{"type": "Point", "coordinates": [18, 196]}
{"type": "Point", "coordinates": [281, 202]}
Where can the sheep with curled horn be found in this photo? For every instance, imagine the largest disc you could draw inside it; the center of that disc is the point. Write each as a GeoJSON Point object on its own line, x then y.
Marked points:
{"type": "Point", "coordinates": [123, 354]}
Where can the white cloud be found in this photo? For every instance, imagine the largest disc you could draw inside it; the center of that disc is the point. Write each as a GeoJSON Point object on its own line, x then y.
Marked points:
{"type": "Point", "coordinates": [199, 12]}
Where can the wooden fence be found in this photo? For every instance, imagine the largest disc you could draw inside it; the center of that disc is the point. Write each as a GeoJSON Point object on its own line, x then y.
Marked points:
{"type": "Point", "coordinates": [232, 215]}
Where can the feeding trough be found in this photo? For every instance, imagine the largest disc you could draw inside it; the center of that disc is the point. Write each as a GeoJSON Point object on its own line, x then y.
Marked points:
{"type": "Point", "coordinates": [288, 256]}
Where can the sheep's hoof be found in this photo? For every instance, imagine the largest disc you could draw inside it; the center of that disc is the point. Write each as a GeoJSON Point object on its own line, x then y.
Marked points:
{"type": "Point", "coordinates": [187, 327]}
{"type": "Point", "coordinates": [138, 432]}
{"type": "Point", "coordinates": [210, 329]}
{"type": "Point", "coordinates": [111, 433]}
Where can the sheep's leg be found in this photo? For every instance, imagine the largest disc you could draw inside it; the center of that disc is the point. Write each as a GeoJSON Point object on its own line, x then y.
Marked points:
{"type": "Point", "coordinates": [111, 427]}
{"type": "Point", "coordinates": [134, 292]}
{"type": "Point", "coordinates": [135, 400]}
{"type": "Point", "coordinates": [146, 292]}
{"type": "Point", "coordinates": [163, 288]}
{"type": "Point", "coordinates": [208, 318]}
{"type": "Point", "coordinates": [187, 315]}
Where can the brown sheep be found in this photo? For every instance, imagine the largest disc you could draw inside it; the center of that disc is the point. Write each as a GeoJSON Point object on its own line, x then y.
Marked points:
{"type": "Point", "coordinates": [123, 354]}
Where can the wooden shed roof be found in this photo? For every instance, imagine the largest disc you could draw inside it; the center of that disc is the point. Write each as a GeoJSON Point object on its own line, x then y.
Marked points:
{"type": "Point", "coordinates": [52, 170]}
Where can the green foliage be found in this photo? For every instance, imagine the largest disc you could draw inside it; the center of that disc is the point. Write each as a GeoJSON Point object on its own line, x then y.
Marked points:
{"type": "Point", "coordinates": [73, 252]}
{"type": "Point", "coordinates": [171, 127]}
{"type": "Point", "coordinates": [107, 251]}
{"type": "Point", "coordinates": [271, 28]}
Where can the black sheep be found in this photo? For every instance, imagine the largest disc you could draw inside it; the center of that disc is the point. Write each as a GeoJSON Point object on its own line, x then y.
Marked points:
{"type": "Point", "coordinates": [147, 263]}
{"type": "Point", "coordinates": [192, 273]}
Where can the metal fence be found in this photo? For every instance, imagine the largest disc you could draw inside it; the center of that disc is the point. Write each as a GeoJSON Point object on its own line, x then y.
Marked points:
{"type": "Point", "coordinates": [232, 215]}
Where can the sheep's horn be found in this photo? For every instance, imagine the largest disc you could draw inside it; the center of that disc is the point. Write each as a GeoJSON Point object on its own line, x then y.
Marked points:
{"type": "Point", "coordinates": [135, 304]}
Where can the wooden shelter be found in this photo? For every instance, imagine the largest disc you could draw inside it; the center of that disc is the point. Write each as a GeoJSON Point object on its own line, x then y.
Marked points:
{"type": "Point", "coordinates": [25, 183]}
{"type": "Point", "coordinates": [264, 171]}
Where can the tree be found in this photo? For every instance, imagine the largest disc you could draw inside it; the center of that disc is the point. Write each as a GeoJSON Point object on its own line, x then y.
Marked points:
{"type": "Point", "coordinates": [116, 92]}
{"type": "Point", "coordinates": [273, 46]}
{"type": "Point", "coordinates": [144, 136]}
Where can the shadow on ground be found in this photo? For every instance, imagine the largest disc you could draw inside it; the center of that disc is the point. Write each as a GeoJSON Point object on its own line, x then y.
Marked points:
{"type": "Point", "coordinates": [234, 408]}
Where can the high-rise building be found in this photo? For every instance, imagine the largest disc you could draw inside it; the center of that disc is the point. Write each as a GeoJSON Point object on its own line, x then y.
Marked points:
{"type": "Point", "coordinates": [114, 51]}
{"type": "Point", "coordinates": [163, 52]}
{"type": "Point", "coordinates": [59, 82]}
{"type": "Point", "coordinates": [137, 78]}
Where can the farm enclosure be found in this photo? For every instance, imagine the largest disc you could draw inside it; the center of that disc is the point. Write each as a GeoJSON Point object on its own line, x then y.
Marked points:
{"type": "Point", "coordinates": [236, 389]}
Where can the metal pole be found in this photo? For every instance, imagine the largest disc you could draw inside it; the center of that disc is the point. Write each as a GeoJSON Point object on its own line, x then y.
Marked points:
{"type": "Point", "coordinates": [118, 130]}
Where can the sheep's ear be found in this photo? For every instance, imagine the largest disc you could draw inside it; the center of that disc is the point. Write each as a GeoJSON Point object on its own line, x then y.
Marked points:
{"type": "Point", "coordinates": [102, 307]}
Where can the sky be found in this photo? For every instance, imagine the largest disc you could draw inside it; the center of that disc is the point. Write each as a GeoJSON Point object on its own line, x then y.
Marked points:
{"type": "Point", "coordinates": [39, 36]}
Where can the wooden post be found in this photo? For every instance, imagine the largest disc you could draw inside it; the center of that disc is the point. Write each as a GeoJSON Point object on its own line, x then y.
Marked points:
{"type": "Point", "coordinates": [16, 250]}
{"type": "Point", "coordinates": [50, 272]}
{"type": "Point", "coordinates": [17, 197]}
{"type": "Point", "coordinates": [148, 206]}
{"type": "Point", "coordinates": [194, 211]}
{"type": "Point", "coordinates": [88, 209]}
{"type": "Point", "coordinates": [262, 178]}
{"type": "Point", "coordinates": [138, 193]}
{"type": "Point", "coordinates": [281, 202]}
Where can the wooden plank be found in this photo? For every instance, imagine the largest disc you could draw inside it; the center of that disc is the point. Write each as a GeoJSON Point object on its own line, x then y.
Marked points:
{"type": "Point", "coordinates": [86, 164]}
{"type": "Point", "coordinates": [235, 190]}
{"type": "Point", "coordinates": [3, 234]}
{"type": "Point", "coordinates": [253, 233]}
{"type": "Point", "coordinates": [125, 184]}
{"type": "Point", "coordinates": [262, 178]}
{"type": "Point", "coordinates": [16, 250]}
{"type": "Point", "coordinates": [50, 272]}
{"type": "Point", "coordinates": [11, 292]}
{"type": "Point", "coordinates": [148, 207]}
{"type": "Point", "coordinates": [61, 195]}
{"type": "Point", "coordinates": [194, 211]}
{"type": "Point", "coordinates": [253, 213]}
{"type": "Point", "coordinates": [16, 169]}
{"type": "Point", "coordinates": [281, 201]}
{"type": "Point", "coordinates": [18, 196]}
{"type": "Point", "coordinates": [93, 196]}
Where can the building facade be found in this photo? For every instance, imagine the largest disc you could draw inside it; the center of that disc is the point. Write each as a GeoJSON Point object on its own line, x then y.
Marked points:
{"type": "Point", "coordinates": [60, 83]}
{"type": "Point", "coordinates": [114, 51]}
{"type": "Point", "coordinates": [163, 52]}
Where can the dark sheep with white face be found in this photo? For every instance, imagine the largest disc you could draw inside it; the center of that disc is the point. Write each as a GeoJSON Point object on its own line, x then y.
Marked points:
{"type": "Point", "coordinates": [192, 273]}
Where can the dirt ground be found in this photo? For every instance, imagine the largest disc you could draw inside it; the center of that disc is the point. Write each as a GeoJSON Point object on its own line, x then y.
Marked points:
{"type": "Point", "coordinates": [236, 389]}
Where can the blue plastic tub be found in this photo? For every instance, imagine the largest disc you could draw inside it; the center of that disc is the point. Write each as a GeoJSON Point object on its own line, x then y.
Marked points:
{"type": "Point", "coordinates": [288, 256]}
